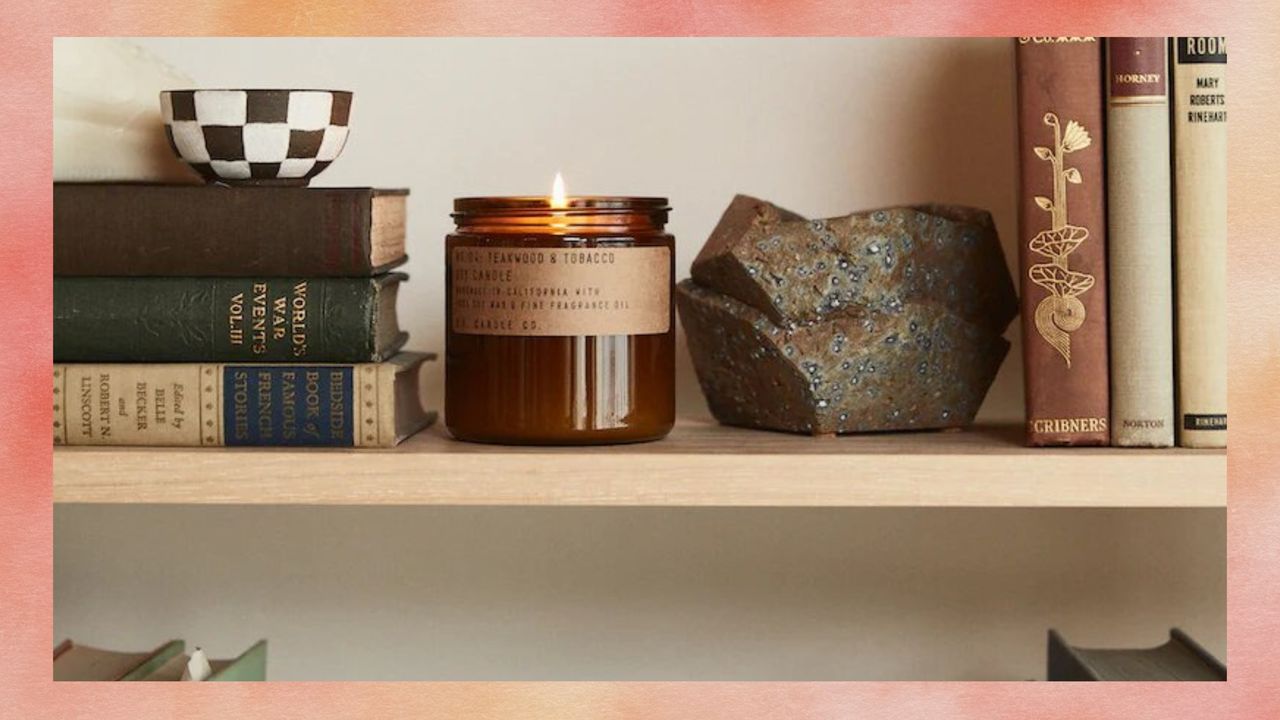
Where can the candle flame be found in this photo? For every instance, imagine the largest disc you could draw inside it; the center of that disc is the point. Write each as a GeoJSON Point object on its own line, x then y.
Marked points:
{"type": "Point", "coordinates": [558, 199]}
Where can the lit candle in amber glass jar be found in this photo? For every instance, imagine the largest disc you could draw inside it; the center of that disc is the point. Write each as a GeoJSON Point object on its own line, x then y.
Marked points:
{"type": "Point", "coordinates": [560, 327]}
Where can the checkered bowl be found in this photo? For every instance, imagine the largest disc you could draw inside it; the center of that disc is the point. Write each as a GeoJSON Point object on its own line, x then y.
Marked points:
{"type": "Point", "coordinates": [256, 137]}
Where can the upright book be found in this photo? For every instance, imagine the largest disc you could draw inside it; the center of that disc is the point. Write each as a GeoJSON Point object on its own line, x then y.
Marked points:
{"type": "Point", "coordinates": [1200, 242]}
{"type": "Point", "coordinates": [211, 404]}
{"type": "Point", "coordinates": [1062, 240]}
{"type": "Point", "coordinates": [212, 230]}
{"type": "Point", "coordinates": [196, 319]}
{"type": "Point", "coordinates": [1140, 218]}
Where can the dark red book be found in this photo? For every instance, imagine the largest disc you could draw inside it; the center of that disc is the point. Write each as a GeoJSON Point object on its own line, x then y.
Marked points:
{"type": "Point", "coordinates": [212, 230]}
{"type": "Point", "coordinates": [1062, 240]}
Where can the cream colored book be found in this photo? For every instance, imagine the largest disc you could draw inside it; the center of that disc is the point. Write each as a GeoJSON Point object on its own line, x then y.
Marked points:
{"type": "Point", "coordinates": [1140, 238]}
{"type": "Point", "coordinates": [1200, 202]}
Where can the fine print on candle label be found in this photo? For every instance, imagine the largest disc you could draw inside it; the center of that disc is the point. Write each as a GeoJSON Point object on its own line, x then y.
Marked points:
{"type": "Point", "coordinates": [560, 325]}
{"type": "Point", "coordinates": [561, 291]}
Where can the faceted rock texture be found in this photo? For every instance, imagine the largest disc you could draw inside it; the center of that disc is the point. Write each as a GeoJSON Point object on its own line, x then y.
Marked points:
{"type": "Point", "coordinates": [882, 320]}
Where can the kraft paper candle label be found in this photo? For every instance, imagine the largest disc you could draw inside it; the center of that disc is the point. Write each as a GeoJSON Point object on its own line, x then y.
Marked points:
{"type": "Point", "coordinates": [561, 291]}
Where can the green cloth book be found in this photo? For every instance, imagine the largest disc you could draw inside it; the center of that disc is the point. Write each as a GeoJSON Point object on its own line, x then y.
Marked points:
{"type": "Point", "coordinates": [249, 666]}
{"type": "Point", "coordinates": [202, 319]}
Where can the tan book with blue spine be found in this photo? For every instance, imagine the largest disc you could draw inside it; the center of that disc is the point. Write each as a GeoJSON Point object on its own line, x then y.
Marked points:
{"type": "Point", "coordinates": [1139, 220]}
{"type": "Point", "coordinates": [262, 404]}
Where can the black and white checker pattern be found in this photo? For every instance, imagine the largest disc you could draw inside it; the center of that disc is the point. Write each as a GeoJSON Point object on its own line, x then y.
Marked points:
{"type": "Point", "coordinates": [257, 135]}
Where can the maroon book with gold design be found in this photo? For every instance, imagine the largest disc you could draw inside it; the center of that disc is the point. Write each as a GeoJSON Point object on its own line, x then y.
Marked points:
{"type": "Point", "coordinates": [1062, 240]}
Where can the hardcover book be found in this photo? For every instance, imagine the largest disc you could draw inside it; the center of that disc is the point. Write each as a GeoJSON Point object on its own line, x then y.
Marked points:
{"type": "Point", "coordinates": [106, 319]}
{"type": "Point", "coordinates": [211, 404]}
{"type": "Point", "coordinates": [213, 230]}
{"type": "Point", "coordinates": [249, 666]}
{"type": "Point", "coordinates": [1140, 218]}
{"type": "Point", "coordinates": [1062, 240]}
{"type": "Point", "coordinates": [1181, 658]}
{"type": "Point", "coordinates": [1200, 243]}
{"type": "Point", "coordinates": [72, 661]}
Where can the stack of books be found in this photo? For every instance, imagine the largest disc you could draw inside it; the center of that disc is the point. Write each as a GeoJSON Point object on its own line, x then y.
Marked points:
{"type": "Point", "coordinates": [168, 662]}
{"type": "Point", "coordinates": [1123, 237]}
{"type": "Point", "coordinates": [213, 315]}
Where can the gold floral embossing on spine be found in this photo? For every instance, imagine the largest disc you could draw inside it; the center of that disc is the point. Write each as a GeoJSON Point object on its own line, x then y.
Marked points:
{"type": "Point", "coordinates": [1063, 256]}
{"type": "Point", "coordinates": [1060, 313]}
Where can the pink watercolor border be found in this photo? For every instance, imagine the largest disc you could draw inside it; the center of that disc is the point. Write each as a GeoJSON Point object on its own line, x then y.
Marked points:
{"type": "Point", "coordinates": [25, 293]}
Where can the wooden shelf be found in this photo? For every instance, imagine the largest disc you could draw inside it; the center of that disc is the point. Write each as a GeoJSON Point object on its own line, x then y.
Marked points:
{"type": "Point", "coordinates": [700, 464]}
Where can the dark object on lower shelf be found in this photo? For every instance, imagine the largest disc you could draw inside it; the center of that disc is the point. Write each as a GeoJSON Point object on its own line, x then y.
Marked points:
{"type": "Point", "coordinates": [882, 320]}
{"type": "Point", "coordinates": [1181, 658]}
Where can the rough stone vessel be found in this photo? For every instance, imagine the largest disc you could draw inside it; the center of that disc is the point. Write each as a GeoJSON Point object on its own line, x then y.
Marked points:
{"type": "Point", "coordinates": [882, 320]}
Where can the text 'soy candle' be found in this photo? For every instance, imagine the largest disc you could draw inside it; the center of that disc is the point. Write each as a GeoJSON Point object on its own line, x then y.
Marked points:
{"type": "Point", "coordinates": [560, 327]}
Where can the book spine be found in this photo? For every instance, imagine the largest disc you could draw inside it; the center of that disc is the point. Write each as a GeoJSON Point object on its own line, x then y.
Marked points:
{"type": "Point", "coordinates": [1200, 226]}
{"type": "Point", "coordinates": [155, 230]}
{"type": "Point", "coordinates": [1065, 664]}
{"type": "Point", "coordinates": [213, 404]}
{"type": "Point", "coordinates": [162, 655]}
{"type": "Point", "coordinates": [214, 319]}
{"type": "Point", "coordinates": [1062, 240]}
{"type": "Point", "coordinates": [1140, 220]}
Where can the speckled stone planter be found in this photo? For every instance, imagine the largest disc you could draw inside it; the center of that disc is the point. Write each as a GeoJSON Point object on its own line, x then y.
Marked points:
{"type": "Point", "coordinates": [882, 320]}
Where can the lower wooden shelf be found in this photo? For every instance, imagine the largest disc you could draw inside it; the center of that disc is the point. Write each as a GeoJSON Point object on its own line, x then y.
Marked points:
{"type": "Point", "coordinates": [700, 464]}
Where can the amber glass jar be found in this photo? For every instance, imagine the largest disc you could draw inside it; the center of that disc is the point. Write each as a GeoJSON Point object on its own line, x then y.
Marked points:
{"type": "Point", "coordinates": [560, 326]}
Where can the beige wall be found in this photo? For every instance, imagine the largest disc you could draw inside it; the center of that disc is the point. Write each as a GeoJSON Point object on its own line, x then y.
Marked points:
{"type": "Point", "coordinates": [572, 593]}
{"type": "Point", "coordinates": [820, 126]}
